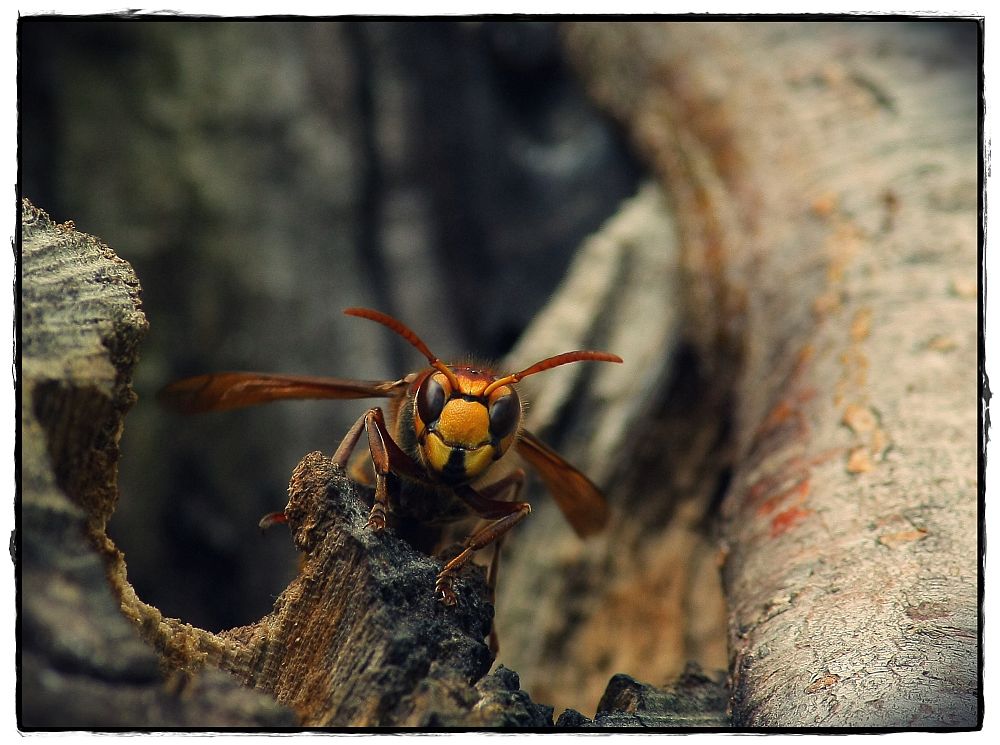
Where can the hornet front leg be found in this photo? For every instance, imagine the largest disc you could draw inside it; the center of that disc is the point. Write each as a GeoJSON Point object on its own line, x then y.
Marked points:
{"type": "Point", "coordinates": [503, 516]}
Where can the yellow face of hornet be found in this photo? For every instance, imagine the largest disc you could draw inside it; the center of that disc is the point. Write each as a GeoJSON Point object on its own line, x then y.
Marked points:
{"type": "Point", "coordinates": [463, 423]}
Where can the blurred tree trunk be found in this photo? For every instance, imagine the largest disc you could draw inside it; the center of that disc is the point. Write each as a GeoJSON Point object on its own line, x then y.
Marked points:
{"type": "Point", "coordinates": [643, 598]}
{"type": "Point", "coordinates": [824, 183]}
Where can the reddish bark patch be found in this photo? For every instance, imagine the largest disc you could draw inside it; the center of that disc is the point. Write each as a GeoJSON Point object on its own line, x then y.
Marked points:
{"type": "Point", "coordinates": [799, 491]}
{"type": "Point", "coordinates": [785, 520]}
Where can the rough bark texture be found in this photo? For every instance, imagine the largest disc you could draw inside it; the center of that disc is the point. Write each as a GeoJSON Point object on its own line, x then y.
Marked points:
{"type": "Point", "coordinates": [824, 183]}
{"type": "Point", "coordinates": [692, 701]}
{"type": "Point", "coordinates": [82, 665]}
{"type": "Point", "coordinates": [358, 639]}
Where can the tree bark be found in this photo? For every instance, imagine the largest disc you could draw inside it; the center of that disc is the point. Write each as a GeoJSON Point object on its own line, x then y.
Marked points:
{"type": "Point", "coordinates": [823, 178]}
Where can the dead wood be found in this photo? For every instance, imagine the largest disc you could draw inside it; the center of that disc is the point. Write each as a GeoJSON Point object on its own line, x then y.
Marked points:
{"type": "Point", "coordinates": [81, 664]}
{"type": "Point", "coordinates": [359, 639]}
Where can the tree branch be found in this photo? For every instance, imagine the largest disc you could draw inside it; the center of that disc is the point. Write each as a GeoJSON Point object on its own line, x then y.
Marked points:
{"type": "Point", "coordinates": [823, 180]}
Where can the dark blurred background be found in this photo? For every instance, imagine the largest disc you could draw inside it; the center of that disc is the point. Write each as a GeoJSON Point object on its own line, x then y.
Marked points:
{"type": "Point", "coordinates": [261, 177]}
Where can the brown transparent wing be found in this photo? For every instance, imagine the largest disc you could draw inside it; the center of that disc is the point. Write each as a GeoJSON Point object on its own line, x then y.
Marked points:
{"type": "Point", "coordinates": [234, 390]}
{"type": "Point", "coordinates": [579, 499]}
